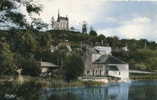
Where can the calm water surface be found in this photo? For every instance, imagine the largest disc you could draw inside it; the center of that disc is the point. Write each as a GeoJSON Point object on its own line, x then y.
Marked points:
{"type": "Point", "coordinates": [137, 90]}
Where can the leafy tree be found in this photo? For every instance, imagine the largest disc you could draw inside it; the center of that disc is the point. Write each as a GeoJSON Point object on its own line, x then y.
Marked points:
{"type": "Point", "coordinates": [28, 64]}
{"type": "Point", "coordinates": [7, 65]}
{"type": "Point", "coordinates": [10, 13]}
{"type": "Point", "coordinates": [26, 91]}
{"type": "Point", "coordinates": [92, 32]}
{"type": "Point", "coordinates": [6, 5]}
{"type": "Point", "coordinates": [73, 67]}
{"type": "Point", "coordinates": [38, 25]}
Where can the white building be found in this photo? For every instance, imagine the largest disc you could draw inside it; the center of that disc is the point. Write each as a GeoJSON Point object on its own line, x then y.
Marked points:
{"type": "Point", "coordinates": [100, 63]}
{"type": "Point", "coordinates": [62, 23]}
{"type": "Point", "coordinates": [47, 67]}
{"type": "Point", "coordinates": [113, 66]}
{"type": "Point", "coordinates": [99, 51]}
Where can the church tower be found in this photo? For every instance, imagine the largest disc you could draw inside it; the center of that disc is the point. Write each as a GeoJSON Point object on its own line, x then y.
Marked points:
{"type": "Point", "coordinates": [62, 23]}
{"type": "Point", "coordinates": [58, 15]}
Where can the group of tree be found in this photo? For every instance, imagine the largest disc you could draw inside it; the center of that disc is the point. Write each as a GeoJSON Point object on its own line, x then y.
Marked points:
{"type": "Point", "coordinates": [25, 45]}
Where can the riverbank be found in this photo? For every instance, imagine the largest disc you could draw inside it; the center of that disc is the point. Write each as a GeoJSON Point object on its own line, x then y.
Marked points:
{"type": "Point", "coordinates": [120, 91]}
{"type": "Point", "coordinates": [143, 76]}
{"type": "Point", "coordinates": [48, 82]}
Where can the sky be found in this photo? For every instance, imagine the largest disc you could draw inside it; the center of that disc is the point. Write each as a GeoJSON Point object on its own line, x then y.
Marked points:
{"type": "Point", "coordinates": [123, 18]}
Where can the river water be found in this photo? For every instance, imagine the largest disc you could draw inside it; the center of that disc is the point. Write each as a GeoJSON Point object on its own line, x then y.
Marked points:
{"type": "Point", "coordinates": [135, 90]}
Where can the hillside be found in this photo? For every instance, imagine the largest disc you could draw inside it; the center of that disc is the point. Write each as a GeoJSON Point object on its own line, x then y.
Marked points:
{"type": "Point", "coordinates": [23, 48]}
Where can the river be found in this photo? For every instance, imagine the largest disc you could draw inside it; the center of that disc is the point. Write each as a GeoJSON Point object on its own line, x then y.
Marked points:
{"type": "Point", "coordinates": [135, 90]}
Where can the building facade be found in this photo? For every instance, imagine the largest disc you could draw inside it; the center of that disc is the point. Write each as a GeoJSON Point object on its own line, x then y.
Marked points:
{"type": "Point", "coordinates": [62, 23]}
{"type": "Point", "coordinates": [100, 63]}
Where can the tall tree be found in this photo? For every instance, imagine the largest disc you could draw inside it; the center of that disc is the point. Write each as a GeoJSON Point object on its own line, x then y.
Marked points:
{"type": "Point", "coordinates": [73, 67]}
{"type": "Point", "coordinates": [11, 15]}
{"type": "Point", "coordinates": [92, 32]}
{"type": "Point", "coordinates": [7, 65]}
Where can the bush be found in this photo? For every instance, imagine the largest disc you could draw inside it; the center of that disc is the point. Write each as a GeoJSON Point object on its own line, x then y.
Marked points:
{"type": "Point", "coordinates": [73, 67]}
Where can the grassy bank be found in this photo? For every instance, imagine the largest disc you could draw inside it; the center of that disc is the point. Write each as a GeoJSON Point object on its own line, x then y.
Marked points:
{"type": "Point", "coordinates": [48, 82]}
{"type": "Point", "coordinates": [143, 76]}
{"type": "Point", "coordinates": [63, 84]}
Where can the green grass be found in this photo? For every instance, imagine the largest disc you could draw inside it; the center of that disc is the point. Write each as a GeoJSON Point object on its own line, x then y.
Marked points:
{"type": "Point", "coordinates": [50, 82]}
{"type": "Point", "coordinates": [143, 76]}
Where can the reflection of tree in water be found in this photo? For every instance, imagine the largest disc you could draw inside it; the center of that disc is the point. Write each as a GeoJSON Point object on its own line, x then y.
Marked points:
{"type": "Point", "coordinates": [114, 92]}
{"type": "Point", "coordinates": [27, 91]}
{"type": "Point", "coordinates": [32, 91]}
{"type": "Point", "coordinates": [143, 92]}
{"type": "Point", "coordinates": [64, 96]}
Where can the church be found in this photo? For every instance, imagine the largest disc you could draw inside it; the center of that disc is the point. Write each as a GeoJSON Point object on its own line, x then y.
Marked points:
{"type": "Point", "coordinates": [62, 23]}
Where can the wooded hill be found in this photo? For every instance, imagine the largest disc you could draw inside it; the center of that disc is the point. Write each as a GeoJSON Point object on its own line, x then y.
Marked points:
{"type": "Point", "coordinates": [23, 48]}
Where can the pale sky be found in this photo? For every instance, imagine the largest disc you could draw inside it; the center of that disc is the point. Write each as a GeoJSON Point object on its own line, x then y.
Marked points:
{"type": "Point", "coordinates": [125, 19]}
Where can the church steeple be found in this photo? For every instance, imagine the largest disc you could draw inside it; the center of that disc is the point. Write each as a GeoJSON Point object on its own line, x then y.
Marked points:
{"type": "Point", "coordinates": [58, 14]}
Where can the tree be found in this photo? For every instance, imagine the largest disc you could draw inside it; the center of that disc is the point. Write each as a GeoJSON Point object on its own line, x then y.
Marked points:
{"type": "Point", "coordinates": [10, 13]}
{"type": "Point", "coordinates": [38, 25]}
{"type": "Point", "coordinates": [92, 32]}
{"type": "Point", "coordinates": [7, 65]}
{"type": "Point", "coordinates": [73, 67]}
{"type": "Point", "coordinates": [30, 67]}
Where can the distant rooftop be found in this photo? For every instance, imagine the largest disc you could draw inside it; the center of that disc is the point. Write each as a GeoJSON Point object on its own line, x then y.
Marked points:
{"type": "Point", "coordinates": [108, 59]}
{"type": "Point", "coordinates": [47, 64]}
{"type": "Point", "coordinates": [103, 50]}
{"type": "Point", "coordinates": [62, 18]}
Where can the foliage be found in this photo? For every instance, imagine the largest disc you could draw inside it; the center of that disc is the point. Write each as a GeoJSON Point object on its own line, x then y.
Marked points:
{"type": "Point", "coordinates": [92, 32]}
{"type": "Point", "coordinates": [31, 68]}
{"type": "Point", "coordinates": [32, 8]}
{"type": "Point", "coordinates": [38, 25]}
{"type": "Point", "coordinates": [16, 18]}
{"type": "Point", "coordinates": [21, 48]}
{"type": "Point", "coordinates": [28, 90]}
{"type": "Point", "coordinates": [144, 59]}
{"type": "Point", "coordinates": [29, 65]}
{"type": "Point", "coordinates": [10, 13]}
{"type": "Point", "coordinates": [7, 65]}
{"type": "Point", "coordinates": [73, 67]}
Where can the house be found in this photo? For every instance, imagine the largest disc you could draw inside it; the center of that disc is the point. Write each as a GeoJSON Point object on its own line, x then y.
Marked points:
{"type": "Point", "coordinates": [113, 66]}
{"type": "Point", "coordinates": [99, 62]}
{"type": "Point", "coordinates": [47, 67]}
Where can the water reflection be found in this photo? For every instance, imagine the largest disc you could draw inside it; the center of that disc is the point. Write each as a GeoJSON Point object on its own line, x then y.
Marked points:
{"type": "Point", "coordinates": [142, 90]}
{"type": "Point", "coordinates": [28, 91]}
{"type": "Point", "coordinates": [146, 90]}
{"type": "Point", "coordinates": [110, 92]}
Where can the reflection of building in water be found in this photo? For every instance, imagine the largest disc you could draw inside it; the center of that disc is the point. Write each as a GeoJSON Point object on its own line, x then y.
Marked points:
{"type": "Point", "coordinates": [111, 92]}
{"type": "Point", "coordinates": [118, 92]}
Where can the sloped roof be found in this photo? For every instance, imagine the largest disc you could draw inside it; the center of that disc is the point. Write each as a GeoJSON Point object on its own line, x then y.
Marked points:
{"type": "Point", "coordinates": [108, 59]}
{"type": "Point", "coordinates": [102, 49]}
{"type": "Point", "coordinates": [62, 18]}
{"type": "Point", "coordinates": [47, 64]}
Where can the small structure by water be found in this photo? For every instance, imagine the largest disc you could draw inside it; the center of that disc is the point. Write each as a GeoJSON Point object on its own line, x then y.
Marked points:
{"type": "Point", "coordinates": [114, 67]}
{"type": "Point", "coordinates": [47, 67]}
{"type": "Point", "coordinates": [99, 62]}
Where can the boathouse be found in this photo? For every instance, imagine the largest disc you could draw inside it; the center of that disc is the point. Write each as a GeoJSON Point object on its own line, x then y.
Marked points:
{"type": "Point", "coordinates": [100, 63]}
